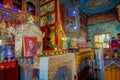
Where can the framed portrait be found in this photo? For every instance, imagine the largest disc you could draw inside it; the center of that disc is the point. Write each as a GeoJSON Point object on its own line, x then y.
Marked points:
{"type": "Point", "coordinates": [30, 46]}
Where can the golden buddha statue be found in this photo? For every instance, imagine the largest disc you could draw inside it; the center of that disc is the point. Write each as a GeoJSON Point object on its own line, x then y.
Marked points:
{"type": "Point", "coordinates": [30, 19]}
{"type": "Point", "coordinates": [72, 45]}
{"type": "Point", "coordinates": [2, 26]}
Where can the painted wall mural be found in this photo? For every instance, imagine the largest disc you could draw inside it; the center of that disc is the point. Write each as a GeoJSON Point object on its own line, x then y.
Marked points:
{"type": "Point", "coordinates": [97, 6]}
{"type": "Point", "coordinates": [61, 67]}
{"type": "Point", "coordinates": [70, 29]}
{"type": "Point", "coordinates": [112, 27]}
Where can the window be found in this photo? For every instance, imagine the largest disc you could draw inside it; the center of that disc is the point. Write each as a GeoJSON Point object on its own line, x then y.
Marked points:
{"type": "Point", "coordinates": [101, 40]}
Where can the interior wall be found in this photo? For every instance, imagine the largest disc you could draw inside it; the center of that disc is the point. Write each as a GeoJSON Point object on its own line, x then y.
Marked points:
{"type": "Point", "coordinates": [103, 17]}
{"type": "Point", "coordinates": [112, 27]}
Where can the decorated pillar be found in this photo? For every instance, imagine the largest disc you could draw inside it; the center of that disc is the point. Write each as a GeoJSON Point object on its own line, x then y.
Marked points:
{"type": "Point", "coordinates": [76, 16]}
{"type": "Point", "coordinates": [24, 10]}
{"type": "Point", "coordinates": [61, 32]}
{"type": "Point", "coordinates": [24, 6]}
{"type": "Point", "coordinates": [38, 13]}
{"type": "Point", "coordinates": [36, 7]}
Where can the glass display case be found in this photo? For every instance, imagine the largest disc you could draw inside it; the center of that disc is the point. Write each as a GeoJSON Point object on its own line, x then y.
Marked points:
{"type": "Point", "coordinates": [6, 43]}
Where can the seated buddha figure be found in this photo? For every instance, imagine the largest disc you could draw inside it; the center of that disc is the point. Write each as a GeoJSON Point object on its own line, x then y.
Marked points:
{"type": "Point", "coordinates": [3, 26]}
{"type": "Point", "coordinates": [72, 45]}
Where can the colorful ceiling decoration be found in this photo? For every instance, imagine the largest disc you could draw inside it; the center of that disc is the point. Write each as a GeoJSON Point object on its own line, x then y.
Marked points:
{"type": "Point", "coordinates": [90, 7]}
{"type": "Point", "coordinates": [69, 4]}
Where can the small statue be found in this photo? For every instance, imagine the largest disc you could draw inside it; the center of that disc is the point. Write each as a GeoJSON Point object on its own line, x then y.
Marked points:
{"type": "Point", "coordinates": [30, 20]}
{"type": "Point", "coordinates": [9, 53]}
{"type": "Point", "coordinates": [9, 36]}
{"type": "Point", "coordinates": [37, 62]}
{"type": "Point", "coordinates": [116, 55]}
{"type": "Point", "coordinates": [11, 28]}
{"type": "Point", "coordinates": [3, 30]}
{"type": "Point", "coordinates": [3, 26]}
{"type": "Point", "coordinates": [2, 56]}
{"type": "Point", "coordinates": [114, 43]}
{"type": "Point", "coordinates": [118, 40]}
{"type": "Point", "coordinates": [72, 45]}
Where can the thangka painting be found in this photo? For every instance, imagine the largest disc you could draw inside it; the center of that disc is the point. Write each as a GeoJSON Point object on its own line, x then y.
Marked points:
{"type": "Point", "coordinates": [63, 73]}
{"type": "Point", "coordinates": [70, 30]}
{"type": "Point", "coordinates": [60, 67]}
{"type": "Point", "coordinates": [27, 29]}
{"type": "Point", "coordinates": [45, 9]}
{"type": "Point", "coordinates": [30, 46]}
{"type": "Point", "coordinates": [47, 20]}
{"type": "Point", "coordinates": [47, 14]}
